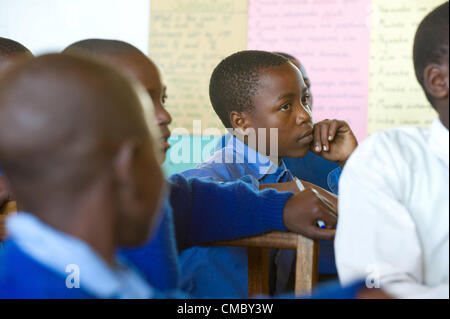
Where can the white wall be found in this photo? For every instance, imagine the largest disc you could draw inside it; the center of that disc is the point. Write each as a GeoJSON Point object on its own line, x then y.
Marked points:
{"type": "Point", "coordinates": [51, 25]}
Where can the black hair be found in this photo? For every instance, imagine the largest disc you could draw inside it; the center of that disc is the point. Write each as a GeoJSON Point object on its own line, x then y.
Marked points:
{"type": "Point", "coordinates": [234, 82]}
{"type": "Point", "coordinates": [9, 47]}
{"type": "Point", "coordinates": [431, 42]}
{"type": "Point", "coordinates": [286, 55]}
{"type": "Point", "coordinates": [101, 47]}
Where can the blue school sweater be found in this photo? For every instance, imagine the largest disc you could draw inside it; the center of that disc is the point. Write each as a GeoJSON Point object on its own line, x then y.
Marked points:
{"type": "Point", "coordinates": [200, 211]}
{"type": "Point", "coordinates": [223, 270]}
{"type": "Point", "coordinates": [318, 171]}
{"type": "Point", "coordinates": [22, 277]}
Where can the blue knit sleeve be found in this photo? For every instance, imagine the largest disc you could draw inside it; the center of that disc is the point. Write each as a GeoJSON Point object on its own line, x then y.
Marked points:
{"type": "Point", "coordinates": [206, 211]}
{"type": "Point", "coordinates": [157, 260]}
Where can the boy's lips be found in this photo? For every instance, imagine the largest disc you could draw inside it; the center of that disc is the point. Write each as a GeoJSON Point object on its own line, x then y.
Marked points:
{"type": "Point", "coordinates": [166, 144]}
{"type": "Point", "coordinates": [306, 138]}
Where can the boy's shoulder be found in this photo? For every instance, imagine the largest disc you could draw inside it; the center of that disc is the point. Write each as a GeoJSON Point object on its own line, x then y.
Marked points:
{"type": "Point", "coordinates": [23, 277]}
{"type": "Point", "coordinates": [401, 142]}
{"type": "Point", "coordinates": [222, 166]}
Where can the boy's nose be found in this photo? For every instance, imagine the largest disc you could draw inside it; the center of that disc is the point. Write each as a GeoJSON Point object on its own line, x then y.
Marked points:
{"type": "Point", "coordinates": [303, 115]}
{"type": "Point", "coordinates": [162, 116]}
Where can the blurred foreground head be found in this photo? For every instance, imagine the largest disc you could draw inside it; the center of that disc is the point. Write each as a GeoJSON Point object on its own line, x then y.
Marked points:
{"type": "Point", "coordinates": [11, 51]}
{"type": "Point", "coordinates": [77, 145]}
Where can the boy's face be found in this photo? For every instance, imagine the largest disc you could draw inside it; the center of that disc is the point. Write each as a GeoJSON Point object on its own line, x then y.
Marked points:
{"type": "Point", "coordinates": [282, 103]}
{"type": "Point", "coordinates": [307, 81]}
{"type": "Point", "coordinates": [144, 188]}
{"type": "Point", "coordinates": [141, 69]}
{"type": "Point", "coordinates": [149, 181]}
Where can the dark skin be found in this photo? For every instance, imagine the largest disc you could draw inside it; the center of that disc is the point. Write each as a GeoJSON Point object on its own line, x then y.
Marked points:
{"type": "Point", "coordinates": [146, 72]}
{"type": "Point", "coordinates": [328, 130]}
{"type": "Point", "coordinates": [436, 84]}
{"type": "Point", "coordinates": [282, 103]}
{"type": "Point", "coordinates": [143, 70]}
{"type": "Point", "coordinates": [101, 173]}
{"type": "Point", "coordinates": [5, 63]}
{"type": "Point", "coordinates": [4, 193]}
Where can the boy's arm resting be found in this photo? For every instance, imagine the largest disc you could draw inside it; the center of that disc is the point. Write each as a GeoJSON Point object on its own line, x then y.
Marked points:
{"type": "Point", "coordinates": [292, 187]}
{"type": "Point", "coordinates": [376, 237]}
{"type": "Point", "coordinates": [206, 211]}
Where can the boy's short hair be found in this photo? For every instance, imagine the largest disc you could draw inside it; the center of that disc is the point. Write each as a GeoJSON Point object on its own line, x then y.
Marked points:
{"type": "Point", "coordinates": [286, 55]}
{"type": "Point", "coordinates": [431, 42]}
{"type": "Point", "coordinates": [101, 46]}
{"type": "Point", "coordinates": [234, 82]}
{"type": "Point", "coordinates": [9, 47]}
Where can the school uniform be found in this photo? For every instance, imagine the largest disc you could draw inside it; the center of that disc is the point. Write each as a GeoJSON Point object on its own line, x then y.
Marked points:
{"type": "Point", "coordinates": [394, 212]}
{"type": "Point", "coordinates": [311, 168]}
{"type": "Point", "coordinates": [321, 172]}
{"type": "Point", "coordinates": [188, 221]}
{"type": "Point", "coordinates": [37, 262]}
{"type": "Point", "coordinates": [223, 270]}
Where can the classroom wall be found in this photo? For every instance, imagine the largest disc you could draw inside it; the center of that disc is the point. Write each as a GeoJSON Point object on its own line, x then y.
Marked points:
{"type": "Point", "coordinates": [51, 25]}
{"type": "Point", "coordinates": [358, 53]}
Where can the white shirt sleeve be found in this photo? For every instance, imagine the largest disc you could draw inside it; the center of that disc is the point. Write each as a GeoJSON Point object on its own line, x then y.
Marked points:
{"type": "Point", "coordinates": [376, 237]}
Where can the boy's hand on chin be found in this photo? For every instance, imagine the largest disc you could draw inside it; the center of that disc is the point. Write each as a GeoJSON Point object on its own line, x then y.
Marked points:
{"type": "Point", "coordinates": [333, 140]}
{"type": "Point", "coordinates": [304, 209]}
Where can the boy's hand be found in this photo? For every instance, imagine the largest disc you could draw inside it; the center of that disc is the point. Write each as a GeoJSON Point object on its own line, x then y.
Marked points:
{"type": "Point", "coordinates": [333, 140]}
{"type": "Point", "coordinates": [304, 209]}
{"type": "Point", "coordinates": [292, 187]}
{"type": "Point", "coordinates": [4, 193]}
{"type": "Point", "coordinates": [333, 199]}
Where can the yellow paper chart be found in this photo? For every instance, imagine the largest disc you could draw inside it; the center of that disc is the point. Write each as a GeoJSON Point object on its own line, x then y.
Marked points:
{"type": "Point", "coordinates": [188, 38]}
{"type": "Point", "coordinates": [395, 96]}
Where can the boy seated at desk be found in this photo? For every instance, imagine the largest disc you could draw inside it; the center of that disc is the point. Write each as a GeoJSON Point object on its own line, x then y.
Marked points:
{"type": "Point", "coordinates": [256, 94]}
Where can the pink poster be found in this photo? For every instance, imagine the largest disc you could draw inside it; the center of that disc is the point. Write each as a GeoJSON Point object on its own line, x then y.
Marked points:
{"type": "Point", "coordinates": [331, 38]}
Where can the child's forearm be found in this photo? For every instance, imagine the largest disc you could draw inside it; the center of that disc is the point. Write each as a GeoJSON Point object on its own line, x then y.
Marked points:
{"type": "Point", "coordinates": [292, 187]}
{"type": "Point", "coordinates": [282, 187]}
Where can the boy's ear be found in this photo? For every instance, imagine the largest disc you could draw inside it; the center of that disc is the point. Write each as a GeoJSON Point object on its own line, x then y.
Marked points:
{"type": "Point", "coordinates": [239, 120]}
{"type": "Point", "coordinates": [125, 167]}
{"type": "Point", "coordinates": [436, 80]}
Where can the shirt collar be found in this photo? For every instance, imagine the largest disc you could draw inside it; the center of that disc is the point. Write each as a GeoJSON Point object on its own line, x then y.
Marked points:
{"type": "Point", "coordinates": [260, 166]}
{"type": "Point", "coordinates": [58, 250]}
{"type": "Point", "coordinates": [439, 139]}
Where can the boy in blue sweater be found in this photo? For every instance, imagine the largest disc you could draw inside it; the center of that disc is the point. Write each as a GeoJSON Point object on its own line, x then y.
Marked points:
{"type": "Point", "coordinates": [92, 184]}
{"type": "Point", "coordinates": [311, 167]}
{"type": "Point", "coordinates": [314, 169]}
{"type": "Point", "coordinates": [102, 174]}
{"type": "Point", "coordinates": [252, 92]}
{"type": "Point", "coordinates": [239, 209]}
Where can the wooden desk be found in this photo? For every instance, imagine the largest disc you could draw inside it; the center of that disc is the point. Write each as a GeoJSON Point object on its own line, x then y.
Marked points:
{"type": "Point", "coordinates": [307, 250]}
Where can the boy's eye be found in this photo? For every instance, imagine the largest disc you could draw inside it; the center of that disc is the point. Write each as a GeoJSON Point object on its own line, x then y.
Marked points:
{"type": "Point", "coordinates": [305, 101]}
{"type": "Point", "coordinates": [286, 107]}
{"type": "Point", "coordinates": [164, 99]}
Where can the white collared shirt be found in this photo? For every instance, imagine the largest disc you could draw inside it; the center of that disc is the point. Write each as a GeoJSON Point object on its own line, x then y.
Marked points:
{"type": "Point", "coordinates": [393, 226]}
{"type": "Point", "coordinates": [61, 253]}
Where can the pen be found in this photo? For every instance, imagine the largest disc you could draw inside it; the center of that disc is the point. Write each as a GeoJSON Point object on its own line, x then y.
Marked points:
{"type": "Point", "coordinates": [300, 187]}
